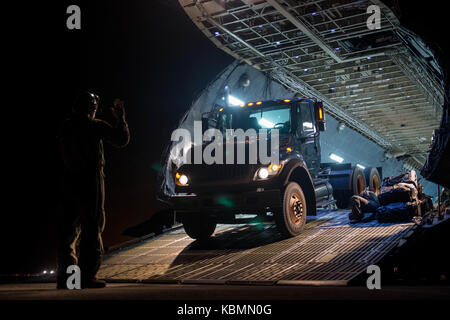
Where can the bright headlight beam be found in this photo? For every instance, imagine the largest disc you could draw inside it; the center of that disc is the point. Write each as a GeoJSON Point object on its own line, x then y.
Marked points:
{"type": "Point", "coordinates": [266, 123]}
{"type": "Point", "coordinates": [336, 158]}
{"type": "Point", "coordinates": [233, 101]}
{"type": "Point", "coordinates": [263, 173]}
{"type": "Point", "coordinates": [183, 180]}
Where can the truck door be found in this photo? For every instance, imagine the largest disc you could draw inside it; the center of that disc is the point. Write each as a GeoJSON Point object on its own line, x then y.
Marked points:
{"type": "Point", "coordinates": [307, 136]}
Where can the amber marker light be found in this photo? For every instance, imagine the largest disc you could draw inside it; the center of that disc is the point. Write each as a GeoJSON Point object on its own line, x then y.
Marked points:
{"type": "Point", "coordinates": [251, 104]}
{"type": "Point", "coordinates": [320, 113]}
{"type": "Point", "coordinates": [242, 105]}
{"type": "Point", "coordinates": [288, 149]}
{"type": "Point", "coordinates": [259, 103]}
{"type": "Point", "coordinates": [286, 100]}
{"type": "Point", "coordinates": [274, 167]}
{"type": "Point", "coordinates": [221, 109]}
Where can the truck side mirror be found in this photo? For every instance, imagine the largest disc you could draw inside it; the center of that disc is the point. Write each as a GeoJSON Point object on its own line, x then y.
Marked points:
{"type": "Point", "coordinates": [320, 116]}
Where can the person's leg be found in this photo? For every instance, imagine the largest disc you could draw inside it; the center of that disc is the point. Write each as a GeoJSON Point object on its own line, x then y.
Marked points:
{"type": "Point", "coordinates": [92, 225]}
{"type": "Point", "coordinates": [68, 232]}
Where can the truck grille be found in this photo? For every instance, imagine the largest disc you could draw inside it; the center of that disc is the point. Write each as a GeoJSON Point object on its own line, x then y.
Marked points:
{"type": "Point", "coordinates": [205, 173]}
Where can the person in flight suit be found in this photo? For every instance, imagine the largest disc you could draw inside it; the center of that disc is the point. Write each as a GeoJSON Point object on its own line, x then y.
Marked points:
{"type": "Point", "coordinates": [83, 217]}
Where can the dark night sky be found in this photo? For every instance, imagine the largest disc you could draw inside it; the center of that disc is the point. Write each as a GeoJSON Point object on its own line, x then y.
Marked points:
{"type": "Point", "coordinates": [148, 53]}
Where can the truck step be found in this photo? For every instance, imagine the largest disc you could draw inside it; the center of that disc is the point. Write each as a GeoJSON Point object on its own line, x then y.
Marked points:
{"type": "Point", "coordinates": [325, 203]}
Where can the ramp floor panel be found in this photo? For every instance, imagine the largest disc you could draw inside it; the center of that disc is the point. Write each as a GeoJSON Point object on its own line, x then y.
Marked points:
{"type": "Point", "coordinates": [328, 250]}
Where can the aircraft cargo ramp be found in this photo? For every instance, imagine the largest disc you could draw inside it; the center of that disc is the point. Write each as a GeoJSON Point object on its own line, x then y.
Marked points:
{"type": "Point", "coordinates": [330, 251]}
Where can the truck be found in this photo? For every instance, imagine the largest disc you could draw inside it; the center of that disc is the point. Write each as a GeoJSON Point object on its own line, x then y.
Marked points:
{"type": "Point", "coordinates": [285, 192]}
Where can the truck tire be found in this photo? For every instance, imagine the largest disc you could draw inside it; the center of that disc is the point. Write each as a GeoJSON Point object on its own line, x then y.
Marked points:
{"type": "Point", "coordinates": [353, 185]}
{"type": "Point", "coordinates": [290, 219]}
{"type": "Point", "coordinates": [373, 179]}
{"type": "Point", "coordinates": [198, 226]}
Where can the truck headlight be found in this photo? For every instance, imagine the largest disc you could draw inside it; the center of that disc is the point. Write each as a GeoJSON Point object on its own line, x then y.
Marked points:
{"type": "Point", "coordinates": [181, 179]}
{"type": "Point", "coordinates": [268, 172]}
{"type": "Point", "coordinates": [263, 173]}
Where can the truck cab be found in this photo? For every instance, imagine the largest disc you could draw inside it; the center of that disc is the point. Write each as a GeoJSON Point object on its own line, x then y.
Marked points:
{"type": "Point", "coordinates": [286, 190]}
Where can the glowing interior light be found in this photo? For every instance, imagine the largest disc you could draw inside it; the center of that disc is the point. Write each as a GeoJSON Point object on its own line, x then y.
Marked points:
{"type": "Point", "coordinates": [221, 109]}
{"type": "Point", "coordinates": [266, 123]}
{"type": "Point", "coordinates": [259, 103]}
{"type": "Point", "coordinates": [263, 173]}
{"type": "Point", "coordinates": [250, 104]}
{"type": "Point", "coordinates": [234, 101]}
{"type": "Point", "coordinates": [360, 166]}
{"type": "Point", "coordinates": [336, 158]}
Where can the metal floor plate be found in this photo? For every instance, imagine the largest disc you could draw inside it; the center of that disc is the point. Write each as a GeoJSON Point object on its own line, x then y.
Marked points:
{"type": "Point", "coordinates": [330, 251]}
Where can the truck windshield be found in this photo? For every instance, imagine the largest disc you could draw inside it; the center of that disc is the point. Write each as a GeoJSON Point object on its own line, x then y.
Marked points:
{"type": "Point", "coordinates": [265, 118]}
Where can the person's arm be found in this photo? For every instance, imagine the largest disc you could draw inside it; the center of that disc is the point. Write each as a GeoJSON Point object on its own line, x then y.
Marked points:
{"type": "Point", "coordinates": [117, 135]}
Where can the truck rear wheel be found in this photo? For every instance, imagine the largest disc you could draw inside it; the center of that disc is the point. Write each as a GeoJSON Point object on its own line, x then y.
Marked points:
{"type": "Point", "coordinates": [290, 220]}
{"type": "Point", "coordinates": [349, 183]}
{"type": "Point", "coordinates": [373, 179]}
{"type": "Point", "coordinates": [198, 226]}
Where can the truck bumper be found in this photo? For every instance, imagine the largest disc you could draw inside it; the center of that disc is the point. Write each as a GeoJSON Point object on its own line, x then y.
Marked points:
{"type": "Point", "coordinates": [244, 202]}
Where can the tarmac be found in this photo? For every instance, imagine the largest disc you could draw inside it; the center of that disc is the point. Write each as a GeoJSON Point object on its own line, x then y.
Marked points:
{"type": "Point", "coordinates": [188, 292]}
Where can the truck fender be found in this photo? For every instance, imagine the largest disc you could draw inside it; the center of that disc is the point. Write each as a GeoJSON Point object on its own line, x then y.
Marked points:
{"type": "Point", "coordinates": [296, 170]}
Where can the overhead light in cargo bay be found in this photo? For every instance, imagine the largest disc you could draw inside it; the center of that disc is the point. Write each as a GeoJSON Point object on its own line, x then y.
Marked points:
{"type": "Point", "coordinates": [336, 158]}
{"type": "Point", "coordinates": [233, 101]}
{"type": "Point", "coordinates": [360, 166]}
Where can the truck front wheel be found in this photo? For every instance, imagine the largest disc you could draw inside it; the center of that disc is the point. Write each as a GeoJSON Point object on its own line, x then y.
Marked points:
{"type": "Point", "coordinates": [290, 220]}
{"type": "Point", "coordinates": [198, 226]}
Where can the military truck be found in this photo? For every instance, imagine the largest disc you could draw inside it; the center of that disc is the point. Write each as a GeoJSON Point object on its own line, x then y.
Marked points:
{"type": "Point", "coordinates": [286, 192]}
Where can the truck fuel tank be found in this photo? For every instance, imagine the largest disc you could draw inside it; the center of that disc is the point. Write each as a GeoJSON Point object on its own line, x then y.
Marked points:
{"type": "Point", "coordinates": [323, 190]}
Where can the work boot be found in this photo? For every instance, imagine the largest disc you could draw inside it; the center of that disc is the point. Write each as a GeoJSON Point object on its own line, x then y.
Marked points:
{"type": "Point", "coordinates": [355, 216]}
{"type": "Point", "coordinates": [93, 283]}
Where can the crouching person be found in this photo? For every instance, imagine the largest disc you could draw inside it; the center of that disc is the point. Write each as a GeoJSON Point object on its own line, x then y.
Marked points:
{"type": "Point", "coordinates": [365, 203]}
